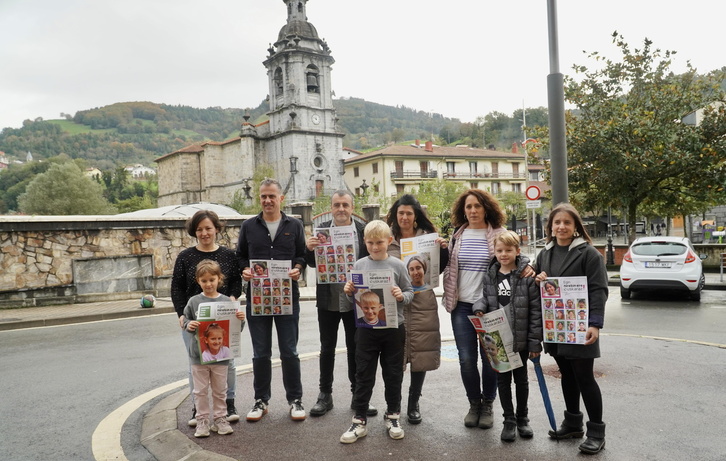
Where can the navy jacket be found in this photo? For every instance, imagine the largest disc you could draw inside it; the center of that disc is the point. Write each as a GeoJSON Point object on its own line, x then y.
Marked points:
{"type": "Point", "coordinates": [255, 242]}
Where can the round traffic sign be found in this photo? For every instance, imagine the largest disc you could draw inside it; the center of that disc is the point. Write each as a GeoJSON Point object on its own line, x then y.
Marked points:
{"type": "Point", "coordinates": [533, 193]}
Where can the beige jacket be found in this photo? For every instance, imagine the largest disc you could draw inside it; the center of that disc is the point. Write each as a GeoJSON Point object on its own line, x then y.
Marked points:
{"type": "Point", "coordinates": [422, 348]}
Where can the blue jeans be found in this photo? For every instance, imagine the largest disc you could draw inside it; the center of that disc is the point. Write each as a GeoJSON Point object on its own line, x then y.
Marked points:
{"type": "Point", "coordinates": [231, 373]}
{"type": "Point", "coordinates": [287, 335]}
{"type": "Point", "coordinates": [470, 350]}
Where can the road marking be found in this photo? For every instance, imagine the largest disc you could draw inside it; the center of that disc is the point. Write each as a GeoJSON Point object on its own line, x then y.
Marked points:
{"type": "Point", "coordinates": [662, 338]}
{"type": "Point", "coordinates": [106, 439]}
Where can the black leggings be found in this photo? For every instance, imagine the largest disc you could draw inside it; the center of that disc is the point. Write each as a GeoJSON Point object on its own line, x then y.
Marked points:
{"type": "Point", "coordinates": [417, 380]}
{"type": "Point", "coordinates": [578, 379]}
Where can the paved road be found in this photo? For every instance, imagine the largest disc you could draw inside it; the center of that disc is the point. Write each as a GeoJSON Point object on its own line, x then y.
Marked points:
{"type": "Point", "coordinates": [60, 382]}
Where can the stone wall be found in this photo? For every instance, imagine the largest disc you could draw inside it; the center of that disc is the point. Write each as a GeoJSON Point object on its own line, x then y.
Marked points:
{"type": "Point", "coordinates": [40, 255]}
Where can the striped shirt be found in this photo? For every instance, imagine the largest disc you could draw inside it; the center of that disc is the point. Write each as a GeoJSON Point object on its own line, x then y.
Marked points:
{"type": "Point", "coordinates": [473, 264]}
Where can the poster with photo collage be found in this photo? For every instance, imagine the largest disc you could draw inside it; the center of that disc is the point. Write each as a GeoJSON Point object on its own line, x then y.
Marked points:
{"type": "Point", "coordinates": [565, 309]}
{"type": "Point", "coordinates": [271, 287]}
{"type": "Point", "coordinates": [335, 254]}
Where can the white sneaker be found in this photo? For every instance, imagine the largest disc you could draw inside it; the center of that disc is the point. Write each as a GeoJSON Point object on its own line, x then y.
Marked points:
{"type": "Point", "coordinates": [297, 412]}
{"type": "Point", "coordinates": [357, 430]}
{"type": "Point", "coordinates": [258, 411]}
{"type": "Point", "coordinates": [202, 428]}
{"type": "Point", "coordinates": [221, 426]}
{"type": "Point", "coordinates": [393, 423]}
{"type": "Point", "coordinates": [193, 421]}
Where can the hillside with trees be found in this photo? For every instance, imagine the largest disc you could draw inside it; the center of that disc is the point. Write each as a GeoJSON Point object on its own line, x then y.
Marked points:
{"type": "Point", "coordinates": [140, 132]}
{"type": "Point", "coordinates": [112, 137]}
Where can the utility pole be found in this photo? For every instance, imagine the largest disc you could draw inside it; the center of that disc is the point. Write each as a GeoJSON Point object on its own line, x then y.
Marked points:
{"type": "Point", "coordinates": [556, 107]}
{"type": "Point", "coordinates": [531, 229]}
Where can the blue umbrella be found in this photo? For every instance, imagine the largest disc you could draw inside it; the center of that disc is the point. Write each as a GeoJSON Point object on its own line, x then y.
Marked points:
{"type": "Point", "coordinates": [545, 393]}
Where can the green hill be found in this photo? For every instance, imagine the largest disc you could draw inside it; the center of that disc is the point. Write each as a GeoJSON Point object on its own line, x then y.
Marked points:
{"type": "Point", "coordinates": [140, 132]}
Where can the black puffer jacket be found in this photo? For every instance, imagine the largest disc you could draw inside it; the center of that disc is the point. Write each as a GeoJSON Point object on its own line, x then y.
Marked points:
{"type": "Point", "coordinates": [524, 309]}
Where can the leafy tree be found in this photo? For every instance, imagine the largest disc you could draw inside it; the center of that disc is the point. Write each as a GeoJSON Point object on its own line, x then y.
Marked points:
{"type": "Point", "coordinates": [437, 196]}
{"type": "Point", "coordinates": [398, 135]}
{"type": "Point", "coordinates": [514, 204]}
{"type": "Point", "coordinates": [627, 145]}
{"type": "Point", "coordinates": [15, 179]}
{"type": "Point", "coordinates": [64, 190]}
{"type": "Point", "coordinates": [251, 206]}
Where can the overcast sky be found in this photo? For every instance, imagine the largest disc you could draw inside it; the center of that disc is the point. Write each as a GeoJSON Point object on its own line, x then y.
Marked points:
{"type": "Point", "coordinates": [459, 58]}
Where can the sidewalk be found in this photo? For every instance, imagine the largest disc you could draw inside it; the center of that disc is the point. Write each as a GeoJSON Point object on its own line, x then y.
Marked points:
{"type": "Point", "coordinates": [32, 317]}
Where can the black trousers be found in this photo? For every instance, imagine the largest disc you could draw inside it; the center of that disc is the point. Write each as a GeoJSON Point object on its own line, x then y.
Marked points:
{"type": "Point", "coordinates": [373, 345]}
{"type": "Point", "coordinates": [521, 384]}
{"type": "Point", "coordinates": [578, 379]}
{"type": "Point", "coordinates": [328, 322]}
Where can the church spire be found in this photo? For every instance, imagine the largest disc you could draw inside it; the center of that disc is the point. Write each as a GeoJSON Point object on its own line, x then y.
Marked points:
{"type": "Point", "coordinates": [296, 10]}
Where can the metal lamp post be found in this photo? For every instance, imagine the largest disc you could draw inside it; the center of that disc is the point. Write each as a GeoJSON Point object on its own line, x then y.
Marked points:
{"type": "Point", "coordinates": [610, 252]}
{"type": "Point", "coordinates": [364, 187]}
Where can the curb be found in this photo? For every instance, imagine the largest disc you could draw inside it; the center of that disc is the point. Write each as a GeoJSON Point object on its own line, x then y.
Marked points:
{"type": "Point", "coordinates": [17, 325]}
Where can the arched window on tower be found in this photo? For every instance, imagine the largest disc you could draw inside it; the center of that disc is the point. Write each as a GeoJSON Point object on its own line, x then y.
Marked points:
{"type": "Point", "coordinates": [299, 7]}
{"type": "Point", "coordinates": [312, 74]}
{"type": "Point", "coordinates": [278, 81]}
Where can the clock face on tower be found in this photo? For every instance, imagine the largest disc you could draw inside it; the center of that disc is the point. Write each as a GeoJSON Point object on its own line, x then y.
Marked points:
{"type": "Point", "coordinates": [315, 119]}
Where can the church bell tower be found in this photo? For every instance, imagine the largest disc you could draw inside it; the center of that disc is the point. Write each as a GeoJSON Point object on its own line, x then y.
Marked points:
{"type": "Point", "coordinates": [305, 146]}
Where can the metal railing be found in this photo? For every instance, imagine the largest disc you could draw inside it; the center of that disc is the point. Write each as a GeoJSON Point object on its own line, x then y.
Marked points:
{"type": "Point", "coordinates": [469, 175]}
{"type": "Point", "coordinates": [431, 174]}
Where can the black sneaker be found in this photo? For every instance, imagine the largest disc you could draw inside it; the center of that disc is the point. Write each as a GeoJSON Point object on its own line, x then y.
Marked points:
{"type": "Point", "coordinates": [232, 415]}
{"type": "Point", "coordinates": [193, 422]}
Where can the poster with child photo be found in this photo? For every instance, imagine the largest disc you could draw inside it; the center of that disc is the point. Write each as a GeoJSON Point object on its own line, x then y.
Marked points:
{"type": "Point", "coordinates": [375, 306]}
{"type": "Point", "coordinates": [497, 340]}
{"type": "Point", "coordinates": [219, 332]}
{"type": "Point", "coordinates": [421, 255]}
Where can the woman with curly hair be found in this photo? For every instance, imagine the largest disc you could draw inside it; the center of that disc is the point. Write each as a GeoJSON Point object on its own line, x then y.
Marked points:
{"type": "Point", "coordinates": [478, 220]}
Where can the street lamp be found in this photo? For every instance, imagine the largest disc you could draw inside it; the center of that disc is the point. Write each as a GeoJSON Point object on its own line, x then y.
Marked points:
{"type": "Point", "coordinates": [610, 252]}
{"type": "Point", "coordinates": [247, 188]}
{"type": "Point", "coordinates": [365, 187]}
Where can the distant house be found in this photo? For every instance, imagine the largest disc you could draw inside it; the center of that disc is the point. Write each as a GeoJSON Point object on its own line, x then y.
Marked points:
{"type": "Point", "coordinates": [139, 171]}
{"type": "Point", "coordinates": [398, 169]}
{"type": "Point", "coordinates": [92, 172]}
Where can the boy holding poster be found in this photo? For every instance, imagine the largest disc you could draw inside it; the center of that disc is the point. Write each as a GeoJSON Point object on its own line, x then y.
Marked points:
{"type": "Point", "coordinates": [383, 343]}
{"type": "Point", "coordinates": [519, 297]}
{"type": "Point", "coordinates": [211, 376]}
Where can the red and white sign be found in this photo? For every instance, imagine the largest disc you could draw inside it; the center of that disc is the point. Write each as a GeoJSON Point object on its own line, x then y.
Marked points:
{"type": "Point", "coordinates": [533, 193]}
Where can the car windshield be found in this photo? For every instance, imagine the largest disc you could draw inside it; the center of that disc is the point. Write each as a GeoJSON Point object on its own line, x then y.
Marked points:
{"type": "Point", "coordinates": [659, 249]}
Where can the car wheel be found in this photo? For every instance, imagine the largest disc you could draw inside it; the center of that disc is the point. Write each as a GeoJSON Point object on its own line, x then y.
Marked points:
{"type": "Point", "coordinates": [624, 293]}
{"type": "Point", "coordinates": [695, 295]}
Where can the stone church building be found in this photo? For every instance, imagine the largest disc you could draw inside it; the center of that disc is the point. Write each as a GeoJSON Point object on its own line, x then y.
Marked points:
{"type": "Point", "coordinates": [301, 139]}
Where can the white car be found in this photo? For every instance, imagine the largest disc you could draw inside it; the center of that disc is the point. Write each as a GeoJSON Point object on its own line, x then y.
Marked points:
{"type": "Point", "coordinates": [657, 263]}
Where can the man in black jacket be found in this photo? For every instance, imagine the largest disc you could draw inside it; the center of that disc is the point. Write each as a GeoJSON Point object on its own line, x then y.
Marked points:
{"type": "Point", "coordinates": [334, 306]}
{"type": "Point", "coordinates": [272, 235]}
